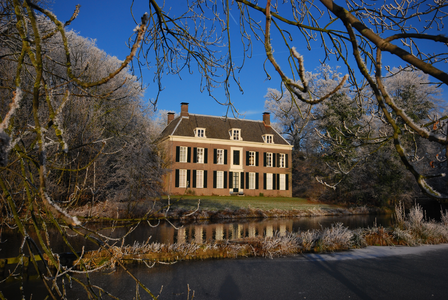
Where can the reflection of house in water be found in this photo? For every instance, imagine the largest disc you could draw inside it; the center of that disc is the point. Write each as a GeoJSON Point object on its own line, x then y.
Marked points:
{"type": "Point", "coordinates": [201, 233]}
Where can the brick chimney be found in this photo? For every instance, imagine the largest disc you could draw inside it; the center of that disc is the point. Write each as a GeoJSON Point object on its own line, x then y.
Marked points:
{"type": "Point", "coordinates": [184, 110]}
{"type": "Point", "coordinates": [170, 117]}
{"type": "Point", "coordinates": [267, 119]}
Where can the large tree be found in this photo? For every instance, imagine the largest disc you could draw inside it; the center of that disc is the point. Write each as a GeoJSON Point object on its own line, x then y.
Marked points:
{"type": "Point", "coordinates": [73, 128]}
{"type": "Point", "coordinates": [356, 33]}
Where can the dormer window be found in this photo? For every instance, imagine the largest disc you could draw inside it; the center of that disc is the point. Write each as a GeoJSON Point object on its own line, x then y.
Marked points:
{"type": "Point", "coordinates": [268, 138]}
{"type": "Point", "coordinates": [199, 132]}
{"type": "Point", "coordinates": [235, 134]}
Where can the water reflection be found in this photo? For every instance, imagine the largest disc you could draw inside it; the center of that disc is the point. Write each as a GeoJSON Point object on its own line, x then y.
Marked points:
{"type": "Point", "coordinates": [200, 233]}
{"type": "Point", "coordinates": [195, 232]}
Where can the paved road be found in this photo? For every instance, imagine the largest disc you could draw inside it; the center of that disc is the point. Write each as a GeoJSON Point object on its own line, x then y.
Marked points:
{"type": "Point", "coordinates": [371, 273]}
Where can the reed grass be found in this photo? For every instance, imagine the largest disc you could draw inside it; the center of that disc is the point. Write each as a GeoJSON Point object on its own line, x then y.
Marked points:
{"type": "Point", "coordinates": [409, 230]}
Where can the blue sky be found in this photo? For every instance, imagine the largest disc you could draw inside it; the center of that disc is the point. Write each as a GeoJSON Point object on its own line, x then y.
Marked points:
{"type": "Point", "coordinates": [110, 23]}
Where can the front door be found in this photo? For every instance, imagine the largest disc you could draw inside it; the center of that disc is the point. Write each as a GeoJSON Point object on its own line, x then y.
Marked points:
{"type": "Point", "coordinates": [236, 181]}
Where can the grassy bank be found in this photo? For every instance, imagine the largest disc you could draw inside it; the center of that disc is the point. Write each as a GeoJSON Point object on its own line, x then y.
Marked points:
{"type": "Point", "coordinates": [215, 203]}
{"type": "Point", "coordinates": [214, 207]}
{"type": "Point", "coordinates": [411, 230]}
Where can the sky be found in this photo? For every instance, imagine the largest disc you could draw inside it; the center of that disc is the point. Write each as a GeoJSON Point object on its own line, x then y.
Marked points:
{"type": "Point", "coordinates": [110, 23]}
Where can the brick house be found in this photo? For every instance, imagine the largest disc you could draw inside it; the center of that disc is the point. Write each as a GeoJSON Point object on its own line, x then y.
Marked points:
{"type": "Point", "coordinates": [223, 156]}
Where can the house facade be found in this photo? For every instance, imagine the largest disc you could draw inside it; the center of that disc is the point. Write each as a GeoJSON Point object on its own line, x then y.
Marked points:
{"type": "Point", "coordinates": [224, 156]}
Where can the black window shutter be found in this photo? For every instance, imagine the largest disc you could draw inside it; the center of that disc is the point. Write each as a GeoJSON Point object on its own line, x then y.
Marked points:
{"type": "Point", "coordinates": [230, 180]}
{"type": "Point", "coordinates": [176, 178]}
{"type": "Point", "coordinates": [242, 180]}
{"type": "Point", "coordinates": [264, 181]}
{"type": "Point", "coordinates": [205, 155]}
{"type": "Point", "coordinates": [277, 181]}
{"type": "Point", "coordinates": [215, 156]}
{"type": "Point", "coordinates": [188, 178]}
{"type": "Point", "coordinates": [225, 156]}
{"type": "Point", "coordinates": [286, 160]}
{"type": "Point", "coordinates": [247, 180]}
{"type": "Point", "coordinates": [278, 159]}
{"type": "Point", "coordinates": [214, 179]}
{"type": "Point", "coordinates": [273, 161]}
{"type": "Point", "coordinates": [225, 179]}
{"type": "Point", "coordinates": [177, 153]}
{"type": "Point", "coordinates": [205, 179]}
{"type": "Point", "coordinates": [194, 178]}
{"type": "Point", "coordinates": [264, 159]}
{"type": "Point", "coordinates": [256, 159]}
{"type": "Point", "coordinates": [256, 181]}
{"type": "Point", "coordinates": [195, 155]}
{"type": "Point", "coordinates": [247, 158]}
{"type": "Point", "coordinates": [189, 154]}
{"type": "Point", "coordinates": [287, 182]}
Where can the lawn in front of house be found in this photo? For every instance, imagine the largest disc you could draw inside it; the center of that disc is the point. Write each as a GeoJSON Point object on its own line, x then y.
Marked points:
{"type": "Point", "coordinates": [215, 203]}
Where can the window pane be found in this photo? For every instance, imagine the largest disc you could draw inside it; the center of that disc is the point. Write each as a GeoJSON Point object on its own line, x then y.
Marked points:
{"type": "Point", "coordinates": [183, 154]}
{"type": "Point", "coordinates": [200, 155]}
{"type": "Point", "coordinates": [281, 161]}
{"type": "Point", "coordinates": [183, 178]}
{"type": "Point", "coordinates": [199, 179]}
{"type": "Point", "coordinates": [252, 181]}
{"type": "Point", "coordinates": [268, 159]}
{"type": "Point", "coordinates": [269, 181]}
{"type": "Point", "coordinates": [282, 182]}
{"type": "Point", "coordinates": [219, 179]}
{"type": "Point", "coordinates": [220, 156]}
{"type": "Point", "coordinates": [251, 158]}
{"type": "Point", "coordinates": [236, 157]}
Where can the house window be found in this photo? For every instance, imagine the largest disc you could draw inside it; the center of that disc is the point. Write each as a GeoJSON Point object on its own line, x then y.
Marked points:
{"type": "Point", "coordinates": [200, 155]}
{"type": "Point", "coordinates": [269, 160]}
{"type": "Point", "coordinates": [220, 179]}
{"type": "Point", "coordinates": [236, 157]}
{"type": "Point", "coordinates": [183, 154]}
{"type": "Point", "coordinates": [282, 160]}
{"type": "Point", "coordinates": [199, 179]}
{"type": "Point", "coordinates": [268, 138]}
{"type": "Point", "coordinates": [252, 181]}
{"type": "Point", "coordinates": [282, 182]}
{"type": "Point", "coordinates": [182, 178]}
{"type": "Point", "coordinates": [199, 132]}
{"type": "Point", "coordinates": [235, 134]}
{"type": "Point", "coordinates": [269, 181]}
{"type": "Point", "coordinates": [251, 158]}
{"type": "Point", "coordinates": [220, 156]}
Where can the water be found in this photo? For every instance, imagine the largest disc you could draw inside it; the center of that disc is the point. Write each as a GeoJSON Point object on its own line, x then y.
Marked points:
{"type": "Point", "coordinates": [164, 232]}
{"type": "Point", "coordinates": [198, 232]}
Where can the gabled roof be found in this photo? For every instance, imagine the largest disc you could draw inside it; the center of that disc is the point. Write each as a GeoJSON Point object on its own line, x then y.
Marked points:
{"type": "Point", "coordinates": [218, 128]}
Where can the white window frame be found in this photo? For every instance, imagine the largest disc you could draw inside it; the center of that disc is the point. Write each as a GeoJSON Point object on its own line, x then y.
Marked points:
{"type": "Point", "coordinates": [282, 160]}
{"type": "Point", "coordinates": [182, 178]}
{"type": "Point", "coordinates": [269, 177]}
{"type": "Point", "coordinates": [268, 138]}
{"type": "Point", "coordinates": [220, 156]}
{"type": "Point", "coordinates": [269, 158]}
{"type": "Point", "coordinates": [219, 179]}
{"type": "Point", "coordinates": [252, 158]}
{"type": "Point", "coordinates": [199, 179]}
{"type": "Point", "coordinates": [200, 155]}
{"type": "Point", "coordinates": [282, 182]}
{"type": "Point", "coordinates": [199, 132]}
{"type": "Point", "coordinates": [183, 152]}
{"type": "Point", "coordinates": [252, 181]}
{"type": "Point", "coordinates": [235, 134]}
